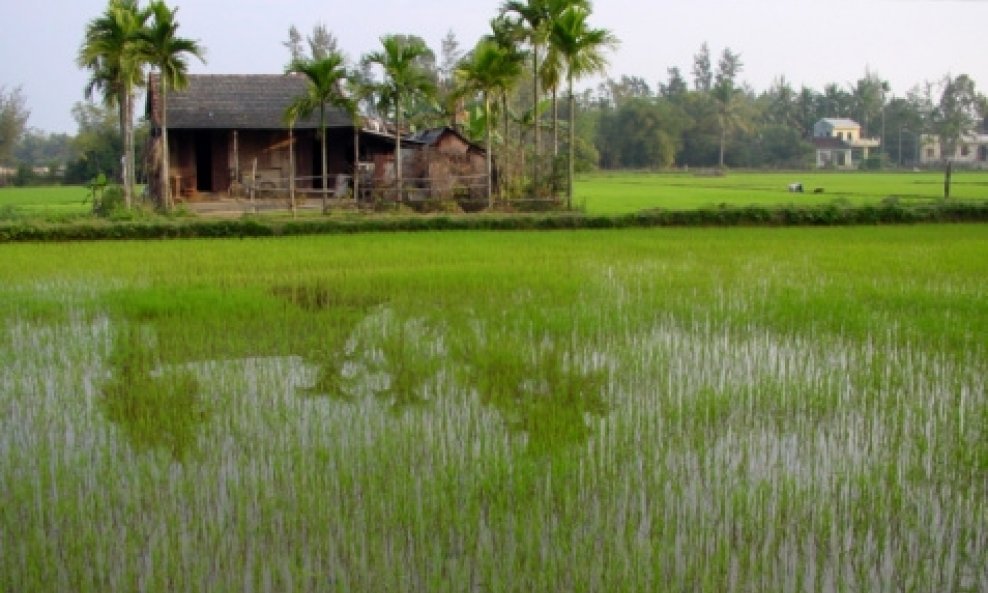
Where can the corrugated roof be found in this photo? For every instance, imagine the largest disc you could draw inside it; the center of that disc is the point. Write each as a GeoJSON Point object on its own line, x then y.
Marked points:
{"type": "Point", "coordinates": [432, 136]}
{"type": "Point", "coordinates": [238, 101]}
{"type": "Point", "coordinates": [841, 122]}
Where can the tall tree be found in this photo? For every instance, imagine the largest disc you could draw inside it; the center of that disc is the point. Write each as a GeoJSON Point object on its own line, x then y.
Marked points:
{"type": "Point", "coordinates": [403, 79]}
{"type": "Point", "coordinates": [160, 46]}
{"type": "Point", "coordinates": [322, 43]}
{"type": "Point", "coordinates": [728, 97]}
{"type": "Point", "coordinates": [956, 114]}
{"type": "Point", "coordinates": [703, 74]}
{"type": "Point", "coordinates": [868, 102]}
{"type": "Point", "coordinates": [13, 118]}
{"type": "Point", "coordinates": [110, 52]}
{"type": "Point", "coordinates": [294, 45]}
{"type": "Point", "coordinates": [326, 78]}
{"type": "Point", "coordinates": [489, 69]}
{"type": "Point", "coordinates": [675, 87]}
{"type": "Point", "coordinates": [582, 51]}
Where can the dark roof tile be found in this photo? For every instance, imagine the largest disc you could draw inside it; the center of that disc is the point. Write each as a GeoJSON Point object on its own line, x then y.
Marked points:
{"type": "Point", "coordinates": [238, 101]}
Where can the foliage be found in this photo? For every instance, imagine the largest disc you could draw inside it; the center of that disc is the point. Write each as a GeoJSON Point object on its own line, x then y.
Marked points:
{"type": "Point", "coordinates": [13, 119]}
{"type": "Point", "coordinates": [957, 112]}
{"type": "Point", "coordinates": [326, 79]}
{"type": "Point", "coordinates": [97, 143]}
{"type": "Point", "coordinates": [641, 133]}
{"type": "Point", "coordinates": [111, 52]}
{"type": "Point", "coordinates": [159, 45]}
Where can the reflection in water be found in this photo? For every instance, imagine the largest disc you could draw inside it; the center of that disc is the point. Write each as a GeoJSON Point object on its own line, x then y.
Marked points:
{"type": "Point", "coordinates": [547, 397]}
{"type": "Point", "coordinates": [154, 410]}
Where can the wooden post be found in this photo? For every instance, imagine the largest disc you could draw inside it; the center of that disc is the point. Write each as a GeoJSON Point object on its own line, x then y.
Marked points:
{"type": "Point", "coordinates": [236, 158]}
{"type": "Point", "coordinates": [253, 185]}
{"type": "Point", "coordinates": [291, 167]}
{"type": "Point", "coordinates": [356, 159]}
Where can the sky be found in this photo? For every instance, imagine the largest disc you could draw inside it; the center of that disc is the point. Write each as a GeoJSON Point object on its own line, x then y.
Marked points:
{"type": "Point", "coordinates": [811, 42]}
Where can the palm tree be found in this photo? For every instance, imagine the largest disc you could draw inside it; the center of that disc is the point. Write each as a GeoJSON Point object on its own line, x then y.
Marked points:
{"type": "Point", "coordinates": [535, 21]}
{"type": "Point", "coordinates": [160, 46]}
{"type": "Point", "coordinates": [729, 101]}
{"type": "Point", "coordinates": [489, 69]}
{"type": "Point", "coordinates": [581, 49]}
{"type": "Point", "coordinates": [325, 78]}
{"type": "Point", "coordinates": [404, 79]}
{"type": "Point", "coordinates": [531, 25]}
{"type": "Point", "coordinates": [109, 51]}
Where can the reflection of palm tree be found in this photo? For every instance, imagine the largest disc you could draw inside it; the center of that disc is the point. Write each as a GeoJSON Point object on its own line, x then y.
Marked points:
{"type": "Point", "coordinates": [488, 69]}
{"type": "Point", "coordinates": [109, 51]}
{"type": "Point", "coordinates": [325, 77]}
{"type": "Point", "coordinates": [547, 398]}
{"type": "Point", "coordinates": [161, 47]}
{"type": "Point", "coordinates": [581, 50]}
{"type": "Point", "coordinates": [404, 79]}
{"type": "Point", "coordinates": [154, 409]}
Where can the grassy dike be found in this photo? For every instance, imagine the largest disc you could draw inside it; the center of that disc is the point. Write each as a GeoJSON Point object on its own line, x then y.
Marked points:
{"type": "Point", "coordinates": [698, 409]}
{"type": "Point", "coordinates": [887, 212]}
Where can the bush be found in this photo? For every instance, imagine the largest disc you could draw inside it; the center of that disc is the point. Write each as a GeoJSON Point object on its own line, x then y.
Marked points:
{"type": "Point", "coordinates": [109, 202]}
{"type": "Point", "coordinates": [135, 227]}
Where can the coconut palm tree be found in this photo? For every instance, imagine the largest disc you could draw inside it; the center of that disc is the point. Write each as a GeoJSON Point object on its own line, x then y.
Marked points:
{"type": "Point", "coordinates": [582, 51]}
{"type": "Point", "coordinates": [535, 21]}
{"type": "Point", "coordinates": [326, 78]}
{"type": "Point", "coordinates": [109, 51]}
{"type": "Point", "coordinates": [531, 15]}
{"type": "Point", "coordinates": [490, 68]}
{"type": "Point", "coordinates": [160, 46]}
{"type": "Point", "coordinates": [404, 79]}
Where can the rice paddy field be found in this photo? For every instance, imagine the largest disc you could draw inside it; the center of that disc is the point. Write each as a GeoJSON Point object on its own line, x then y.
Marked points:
{"type": "Point", "coordinates": [627, 192]}
{"type": "Point", "coordinates": [614, 193]}
{"type": "Point", "coordinates": [637, 410]}
{"type": "Point", "coordinates": [56, 201]}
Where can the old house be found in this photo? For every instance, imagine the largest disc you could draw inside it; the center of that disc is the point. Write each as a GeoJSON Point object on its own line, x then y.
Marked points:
{"type": "Point", "coordinates": [227, 132]}
{"type": "Point", "coordinates": [839, 144]}
{"type": "Point", "coordinates": [452, 164]}
{"type": "Point", "coordinates": [970, 150]}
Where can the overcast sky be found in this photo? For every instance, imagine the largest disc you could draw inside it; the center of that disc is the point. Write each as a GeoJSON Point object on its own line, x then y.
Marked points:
{"type": "Point", "coordinates": [811, 42]}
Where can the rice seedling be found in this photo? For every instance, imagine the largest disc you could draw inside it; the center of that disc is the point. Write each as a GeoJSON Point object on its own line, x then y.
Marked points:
{"type": "Point", "coordinates": [688, 410]}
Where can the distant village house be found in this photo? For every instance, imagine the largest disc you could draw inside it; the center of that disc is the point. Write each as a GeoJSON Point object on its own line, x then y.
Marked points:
{"type": "Point", "coordinates": [971, 150]}
{"type": "Point", "coordinates": [839, 144]}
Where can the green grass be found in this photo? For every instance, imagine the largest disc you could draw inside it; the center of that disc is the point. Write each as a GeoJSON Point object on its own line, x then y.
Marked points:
{"type": "Point", "coordinates": [635, 410]}
{"type": "Point", "coordinates": [45, 202]}
{"type": "Point", "coordinates": [606, 193]}
{"type": "Point", "coordinates": [623, 192]}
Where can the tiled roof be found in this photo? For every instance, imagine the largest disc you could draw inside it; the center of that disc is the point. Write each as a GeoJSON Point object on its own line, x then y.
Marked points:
{"type": "Point", "coordinates": [237, 101]}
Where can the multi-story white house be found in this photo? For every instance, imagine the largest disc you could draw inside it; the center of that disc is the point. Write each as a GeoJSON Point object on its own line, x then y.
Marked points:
{"type": "Point", "coordinates": [971, 150]}
{"type": "Point", "coordinates": [839, 144]}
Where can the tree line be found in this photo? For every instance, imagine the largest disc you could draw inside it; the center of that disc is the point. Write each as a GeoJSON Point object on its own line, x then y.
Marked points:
{"type": "Point", "coordinates": [712, 120]}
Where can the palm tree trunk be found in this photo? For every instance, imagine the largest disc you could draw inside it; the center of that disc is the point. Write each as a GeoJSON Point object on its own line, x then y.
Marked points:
{"type": "Point", "coordinates": [555, 122]}
{"type": "Point", "coordinates": [723, 141]}
{"type": "Point", "coordinates": [571, 165]}
{"type": "Point", "coordinates": [166, 197]}
{"type": "Point", "coordinates": [535, 115]}
{"type": "Point", "coordinates": [125, 131]}
{"type": "Point", "coordinates": [487, 112]}
{"type": "Point", "coordinates": [131, 182]}
{"type": "Point", "coordinates": [398, 147]}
